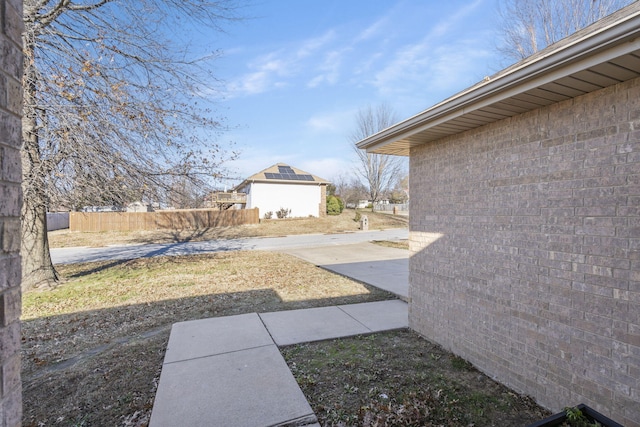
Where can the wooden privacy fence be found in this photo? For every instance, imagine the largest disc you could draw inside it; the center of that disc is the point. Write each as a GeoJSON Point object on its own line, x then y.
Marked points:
{"type": "Point", "coordinates": [163, 220]}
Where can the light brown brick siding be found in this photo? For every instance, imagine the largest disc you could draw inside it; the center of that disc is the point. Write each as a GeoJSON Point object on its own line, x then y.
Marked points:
{"type": "Point", "coordinates": [525, 240]}
{"type": "Point", "coordinates": [322, 209]}
{"type": "Point", "coordinates": [10, 202]}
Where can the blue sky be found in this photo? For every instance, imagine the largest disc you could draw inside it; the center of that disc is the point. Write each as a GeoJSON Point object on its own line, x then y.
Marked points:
{"type": "Point", "coordinates": [296, 73]}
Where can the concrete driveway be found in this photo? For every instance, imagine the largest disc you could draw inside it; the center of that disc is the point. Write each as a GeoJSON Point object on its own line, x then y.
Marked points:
{"type": "Point", "coordinates": [383, 267]}
{"type": "Point", "coordinates": [84, 254]}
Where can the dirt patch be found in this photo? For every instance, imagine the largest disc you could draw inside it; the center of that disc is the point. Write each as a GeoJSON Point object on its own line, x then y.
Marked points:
{"type": "Point", "coordinates": [344, 222]}
{"type": "Point", "coordinates": [115, 388]}
{"type": "Point", "coordinates": [400, 379]}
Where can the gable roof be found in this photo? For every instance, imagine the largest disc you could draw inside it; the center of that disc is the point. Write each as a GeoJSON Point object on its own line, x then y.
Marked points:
{"type": "Point", "coordinates": [600, 55]}
{"type": "Point", "coordinates": [281, 173]}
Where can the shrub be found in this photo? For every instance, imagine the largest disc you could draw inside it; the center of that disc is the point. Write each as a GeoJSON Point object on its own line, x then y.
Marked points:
{"type": "Point", "coordinates": [283, 213]}
{"type": "Point", "coordinates": [268, 215]}
{"type": "Point", "coordinates": [333, 206]}
{"type": "Point", "coordinates": [358, 216]}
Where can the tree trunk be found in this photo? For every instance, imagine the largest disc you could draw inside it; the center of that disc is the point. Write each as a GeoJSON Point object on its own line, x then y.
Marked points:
{"type": "Point", "coordinates": [37, 268]}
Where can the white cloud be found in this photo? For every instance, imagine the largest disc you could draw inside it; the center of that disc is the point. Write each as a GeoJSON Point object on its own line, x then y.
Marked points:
{"type": "Point", "coordinates": [367, 64]}
{"type": "Point", "coordinates": [436, 72]}
{"type": "Point", "coordinates": [276, 69]}
{"type": "Point", "coordinates": [312, 45]}
{"type": "Point", "coordinates": [433, 64]}
{"type": "Point", "coordinates": [330, 68]}
{"type": "Point", "coordinates": [444, 26]}
{"type": "Point", "coordinates": [332, 122]}
{"type": "Point", "coordinates": [251, 83]}
{"type": "Point", "coordinates": [405, 62]}
{"type": "Point", "coordinates": [270, 71]}
{"type": "Point", "coordinates": [327, 167]}
{"type": "Point", "coordinates": [371, 31]}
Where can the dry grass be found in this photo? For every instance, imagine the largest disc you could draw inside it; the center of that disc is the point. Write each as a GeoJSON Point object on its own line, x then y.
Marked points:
{"type": "Point", "coordinates": [399, 379]}
{"type": "Point", "coordinates": [273, 227]}
{"type": "Point", "coordinates": [93, 347]}
{"type": "Point", "coordinates": [401, 244]}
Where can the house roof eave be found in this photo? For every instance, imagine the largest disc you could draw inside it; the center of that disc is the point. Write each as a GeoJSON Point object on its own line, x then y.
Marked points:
{"type": "Point", "coordinates": [603, 41]}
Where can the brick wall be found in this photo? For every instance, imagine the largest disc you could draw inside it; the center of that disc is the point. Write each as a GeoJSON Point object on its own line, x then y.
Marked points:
{"type": "Point", "coordinates": [10, 202]}
{"type": "Point", "coordinates": [322, 209]}
{"type": "Point", "coordinates": [525, 240]}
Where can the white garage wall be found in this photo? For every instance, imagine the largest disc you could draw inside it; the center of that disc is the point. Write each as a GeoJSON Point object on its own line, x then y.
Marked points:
{"type": "Point", "coordinates": [303, 200]}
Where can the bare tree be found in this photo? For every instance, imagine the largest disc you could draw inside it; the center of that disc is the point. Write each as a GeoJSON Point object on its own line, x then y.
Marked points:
{"type": "Point", "coordinates": [184, 194]}
{"type": "Point", "coordinates": [349, 189]}
{"type": "Point", "coordinates": [110, 109]}
{"type": "Point", "coordinates": [400, 192]}
{"type": "Point", "coordinates": [528, 26]}
{"type": "Point", "coordinates": [379, 171]}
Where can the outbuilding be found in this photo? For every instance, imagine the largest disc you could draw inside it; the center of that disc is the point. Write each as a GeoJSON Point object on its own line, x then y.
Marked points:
{"type": "Point", "coordinates": [282, 188]}
{"type": "Point", "coordinates": [525, 220]}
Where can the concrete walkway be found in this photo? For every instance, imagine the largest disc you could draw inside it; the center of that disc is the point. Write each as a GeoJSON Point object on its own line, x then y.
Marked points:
{"type": "Point", "coordinates": [380, 266]}
{"type": "Point", "coordinates": [228, 371]}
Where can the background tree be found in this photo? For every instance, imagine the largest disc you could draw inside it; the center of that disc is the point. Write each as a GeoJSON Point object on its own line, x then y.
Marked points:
{"type": "Point", "coordinates": [528, 26]}
{"type": "Point", "coordinates": [400, 192]}
{"type": "Point", "coordinates": [184, 194]}
{"type": "Point", "coordinates": [350, 189]}
{"type": "Point", "coordinates": [110, 109]}
{"type": "Point", "coordinates": [378, 171]}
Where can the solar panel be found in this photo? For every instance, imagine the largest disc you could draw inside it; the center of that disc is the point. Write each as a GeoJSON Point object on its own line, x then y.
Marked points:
{"type": "Point", "coordinates": [286, 170]}
{"type": "Point", "coordinates": [289, 176]}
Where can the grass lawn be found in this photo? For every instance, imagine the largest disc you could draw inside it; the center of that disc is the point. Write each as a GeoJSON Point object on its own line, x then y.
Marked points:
{"type": "Point", "coordinates": [93, 347]}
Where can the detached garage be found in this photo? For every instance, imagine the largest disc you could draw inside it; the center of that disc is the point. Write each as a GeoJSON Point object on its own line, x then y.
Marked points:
{"type": "Point", "coordinates": [525, 220]}
{"type": "Point", "coordinates": [284, 187]}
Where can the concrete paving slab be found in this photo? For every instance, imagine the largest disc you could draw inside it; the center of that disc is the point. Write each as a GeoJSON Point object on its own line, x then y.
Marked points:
{"type": "Point", "coordinates": [312, 324]}
{"type": "Point", "coordinates": [379, 315]}
{"type": "Point", "coordinates": [249, 388]}
{"type": "Point", "coordinates": [206, 337]}
{"type": "Point", "coordinates": [379, 266]}
{"type": "Point", "coordinates": [390, 275]}
{"type": "Point", "coordinates": [343, 254]}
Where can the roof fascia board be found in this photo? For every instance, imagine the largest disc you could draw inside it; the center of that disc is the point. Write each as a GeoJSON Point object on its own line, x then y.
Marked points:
{"type": "Point", "coordinates": [579, 55]}
{"type": "Point", "coordinates": [282, 181]}
{"type": "Point", "coordinates": [490, 99]}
